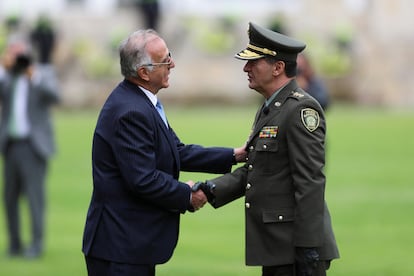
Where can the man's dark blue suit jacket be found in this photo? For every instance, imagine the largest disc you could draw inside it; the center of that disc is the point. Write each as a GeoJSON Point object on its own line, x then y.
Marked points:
{"type": "Point", "coordinates": [137, 199]}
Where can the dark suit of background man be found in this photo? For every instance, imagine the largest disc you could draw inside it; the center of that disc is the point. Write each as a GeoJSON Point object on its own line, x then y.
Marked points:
{"type": "Point", "coordinates": [150, 10]}
{"type": "Point", "coordinates": [43, 39]}
{"type": "Point", "coordinates": [288, 226]}
{"type": "Point", "coordinates": [26, 140]}
{"type": "Point", "coordinates": [133, 218]}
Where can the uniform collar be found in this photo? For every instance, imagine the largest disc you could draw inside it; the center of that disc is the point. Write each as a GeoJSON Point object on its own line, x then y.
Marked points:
{"type": "Point", "coordinates": [279, 97]}
{"type": "Point", "coordinates": [269, 101]}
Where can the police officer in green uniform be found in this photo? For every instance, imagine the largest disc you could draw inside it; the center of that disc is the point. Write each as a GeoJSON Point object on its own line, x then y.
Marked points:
{"type": "Point", "coordinates": [288, 225]}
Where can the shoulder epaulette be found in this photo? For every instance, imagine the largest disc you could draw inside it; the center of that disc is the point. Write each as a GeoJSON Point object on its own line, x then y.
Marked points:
{"type": "Point", "coordinates": [297, 94]}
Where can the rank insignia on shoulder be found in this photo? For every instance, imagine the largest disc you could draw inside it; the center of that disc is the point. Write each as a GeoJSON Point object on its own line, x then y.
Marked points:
{"type": "Point", "coordinates": [297, 94]}
{"type": "Point", "coordinates": [268, 132]}
{"type": "Point", "coordinates": [310, 118]}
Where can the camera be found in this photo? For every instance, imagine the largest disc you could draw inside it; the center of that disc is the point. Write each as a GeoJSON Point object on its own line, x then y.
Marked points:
{"type": "Point", "coordinates": [23, 61]}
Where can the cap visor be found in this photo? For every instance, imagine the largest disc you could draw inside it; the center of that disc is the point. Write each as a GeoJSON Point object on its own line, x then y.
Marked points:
{"type": "Point", "coordinates": [248, 55]}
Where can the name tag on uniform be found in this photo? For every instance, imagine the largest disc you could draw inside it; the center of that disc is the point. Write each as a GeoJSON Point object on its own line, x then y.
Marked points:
{"type": "Point", "coordinates": [268, 132]}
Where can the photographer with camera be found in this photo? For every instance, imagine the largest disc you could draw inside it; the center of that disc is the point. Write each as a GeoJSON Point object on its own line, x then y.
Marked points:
{"type": "Point", "coordinates": [26, 141]}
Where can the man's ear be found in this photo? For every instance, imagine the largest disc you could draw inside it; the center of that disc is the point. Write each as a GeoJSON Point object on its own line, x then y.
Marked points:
{"type": "Point", "coordinates": [278, 68]}
{"type": "Point", "coordinates": [142, 73]}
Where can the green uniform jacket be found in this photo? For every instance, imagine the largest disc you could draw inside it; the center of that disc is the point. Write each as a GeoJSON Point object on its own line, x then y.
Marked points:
{"type": "Point", "coordinates": [283, 182]}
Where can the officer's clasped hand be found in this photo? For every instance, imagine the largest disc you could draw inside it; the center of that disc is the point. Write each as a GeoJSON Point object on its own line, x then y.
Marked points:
{"type": "Point", "coordinates": [207, 188]}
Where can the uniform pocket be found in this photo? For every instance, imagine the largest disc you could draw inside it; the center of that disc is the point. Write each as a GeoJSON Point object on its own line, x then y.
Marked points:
{"type": "Point", "coordinates": [275, 216]}
{"type": "Point", "coordinates": [265, 160]}
{"type": "Point", "coordinates": [266, 145]}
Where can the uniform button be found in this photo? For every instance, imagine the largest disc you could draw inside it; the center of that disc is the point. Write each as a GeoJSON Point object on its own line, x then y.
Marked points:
{"type": "Point", "coordinates": [265, 146]}
{"type": "Point", "coordinates": [280, 217]}
{"type": "Point", "coordinates": [247, 158]}
{"type": "Point", "coordinates": [247, 205]}
{"type": "Point", "coordinates": [278, 104]}
{"type": "Point", "coordinates": [251, 148]}
{"type": "Point", "coordinates": [248, 186]}
{"type": "Point", "coordinates": [250, 167]}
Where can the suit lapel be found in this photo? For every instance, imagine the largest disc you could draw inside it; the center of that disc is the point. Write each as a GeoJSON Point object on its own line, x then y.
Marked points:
{"type": "Point", "coordinates": [170, 138]}
{"type": "Point", "coordinates": [167, 132]}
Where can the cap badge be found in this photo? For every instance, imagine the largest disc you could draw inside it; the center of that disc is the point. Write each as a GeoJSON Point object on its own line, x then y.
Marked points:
{"type": "Point", "coordinates": [310, 119]}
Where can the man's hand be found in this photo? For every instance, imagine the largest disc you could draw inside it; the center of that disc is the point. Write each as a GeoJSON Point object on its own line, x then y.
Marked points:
{"type": "Point", "coordinates": [240, 154]}
{"type": "Point", "coordinates": [208, 188]}
{"type": "Point", "coordinates": [198, 198]}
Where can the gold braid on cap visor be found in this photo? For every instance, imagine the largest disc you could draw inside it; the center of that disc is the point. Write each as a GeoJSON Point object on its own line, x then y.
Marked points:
{"type": "Point", "coordinates": [247, 54]}
{"type": "Point", "coordinates": [262, 50]}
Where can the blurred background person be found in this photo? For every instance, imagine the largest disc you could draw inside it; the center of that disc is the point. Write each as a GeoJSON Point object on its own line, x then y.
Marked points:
{"type": "Point", "coordinates": [26, 141]}
{"type": "Point", "coordinates": [309, 81]}
{"type": "Point", "coordinates": [150, 9]}
{"type": "Point", "coordinates": [43, 39]}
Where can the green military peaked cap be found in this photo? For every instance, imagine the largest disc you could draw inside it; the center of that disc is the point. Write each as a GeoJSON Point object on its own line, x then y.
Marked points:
{"type": "Point", "coordinates": [264, 42]}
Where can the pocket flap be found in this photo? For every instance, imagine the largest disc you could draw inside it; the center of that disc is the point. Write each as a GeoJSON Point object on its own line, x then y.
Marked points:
{"type": "Point", "coordinates": [266, 145]}
{"type": "Point", "coordinates": [282, 215]}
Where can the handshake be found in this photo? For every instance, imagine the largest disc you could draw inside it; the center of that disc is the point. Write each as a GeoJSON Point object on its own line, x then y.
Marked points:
{"type": "Point", "coordinates": [202, 192]}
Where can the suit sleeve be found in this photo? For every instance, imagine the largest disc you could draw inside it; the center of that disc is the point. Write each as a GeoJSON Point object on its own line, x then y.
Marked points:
{"type": "Point", "coordinates": [136, 153]}
{"type": "Point", "coordinates": [230, 186]}
{"type": "Point", "coordinates": [306, 152]}
{"type": "Point", "coordinates": [195, 158]}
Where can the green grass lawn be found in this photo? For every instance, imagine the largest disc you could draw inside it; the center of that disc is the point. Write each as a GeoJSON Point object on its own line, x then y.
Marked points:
{"type": "Point", "coordinates": [370, 192]}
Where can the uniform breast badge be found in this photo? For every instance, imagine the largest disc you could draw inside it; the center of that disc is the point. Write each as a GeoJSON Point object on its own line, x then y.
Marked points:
{"type": "Point", "coordinates": [268, 132]}
{"type": "Point", "coordinates": [310, 118]}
